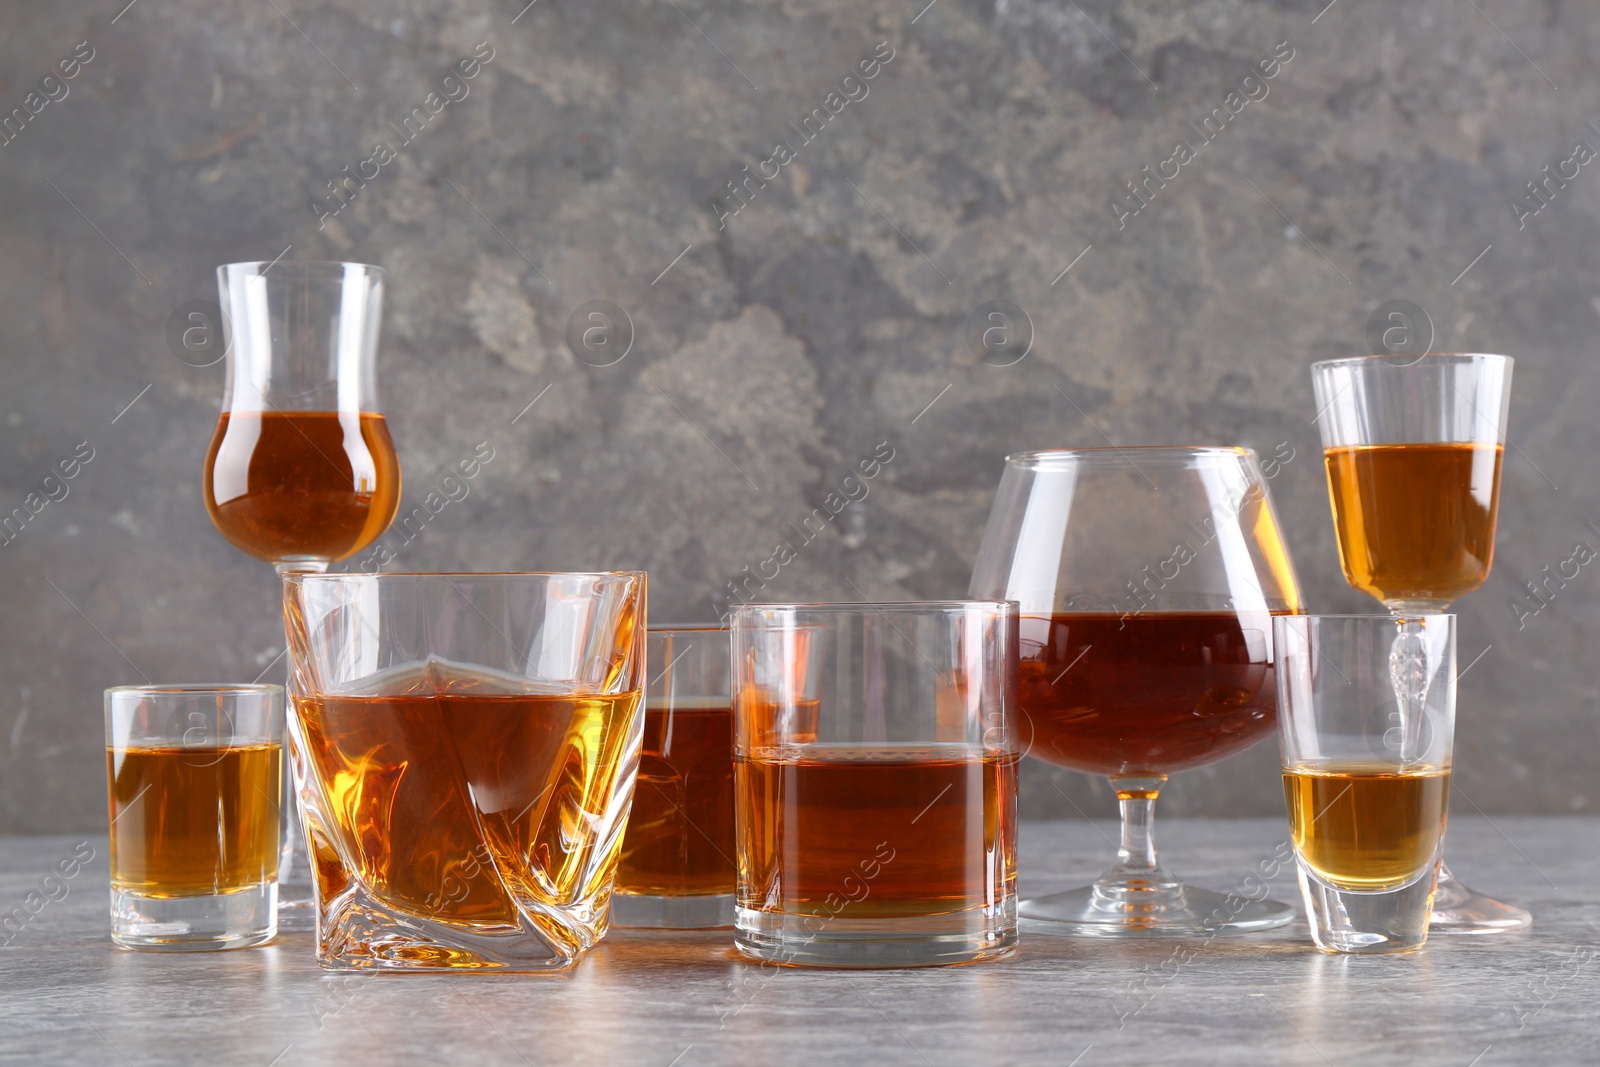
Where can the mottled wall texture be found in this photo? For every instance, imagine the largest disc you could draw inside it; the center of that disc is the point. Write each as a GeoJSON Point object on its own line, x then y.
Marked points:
{"type": "Point", "coordinates": [799, 247]}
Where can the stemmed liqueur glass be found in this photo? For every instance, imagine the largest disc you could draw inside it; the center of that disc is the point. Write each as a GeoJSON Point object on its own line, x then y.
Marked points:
{"type": "Point", "coordinates": [1147, 579]}
{"type": "Point", "coordinates": [301, 470]}
{"type": "Point", "coordinates": [1413, 446]}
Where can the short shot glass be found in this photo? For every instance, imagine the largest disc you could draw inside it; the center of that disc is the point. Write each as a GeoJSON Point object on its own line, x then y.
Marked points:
{"type": "Point", "coordinates": [875, 778]}
{"type": "Point", "coordinates": [194, 774]}
{"type": "Point", "coordinates": [1366, 719]}
{"type": "Point", "coordinates": [677, 866]}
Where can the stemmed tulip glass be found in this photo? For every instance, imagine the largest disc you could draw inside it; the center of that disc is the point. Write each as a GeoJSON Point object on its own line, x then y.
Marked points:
{"type": "Point", "coordinates": [1147, 579]}
{"type": "Point", "coordinates": [1413, 446]}
{"type": "Point", "coordinates": [301, 470]}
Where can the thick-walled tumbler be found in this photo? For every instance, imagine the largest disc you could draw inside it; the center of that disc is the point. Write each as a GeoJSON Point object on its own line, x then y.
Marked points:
{"type": "Point", "coordinates": [465, 748]}
{"type": "Point", "coordinates": [875, 782]}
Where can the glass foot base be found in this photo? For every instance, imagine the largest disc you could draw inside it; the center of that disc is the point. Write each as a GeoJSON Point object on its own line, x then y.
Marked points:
{"type": "Point", "coordinates": [1168, 911]}
{"type": "Point", "coordinates": [1460, 909]}
{"type": "Point", "coordinates": [672, 913]}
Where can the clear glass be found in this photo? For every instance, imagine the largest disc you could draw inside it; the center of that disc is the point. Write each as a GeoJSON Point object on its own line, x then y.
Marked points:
{"type": "Point", "coordinates": [1147, 579]}
{"type": "Point", "coordinates": [1366, 720]}
{"type": "Point", "coordinates": [875, 782]}
{"type": "Point", "coordinates": [192, 774]}
{"type": "Point", "coordinates": [465, 748]}
{"type": "Point", "coordinates": [301, 470]}
{"type": "Point", "coordinates": [1413, 446]}
{"type": "Point", "coordinates": [677, 869]}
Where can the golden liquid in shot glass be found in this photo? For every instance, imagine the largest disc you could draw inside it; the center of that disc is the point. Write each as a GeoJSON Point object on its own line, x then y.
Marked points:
{"type": "Point", "coordinates": [1367, 829]}
{"type": "Point", "coordinates": [194, 821]}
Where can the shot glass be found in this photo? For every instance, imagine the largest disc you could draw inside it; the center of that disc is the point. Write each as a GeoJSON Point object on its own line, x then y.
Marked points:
{"type": "Point", "coordinates": [1366, 717]}
{"type": "Point", "coordinates": [465, 748]}
{"type": "Point", "coordinates": [193, 774]}
{"type": "Point", "coordinates": [677, 869]}
{"type": "Point", "coordinates": [875, 768]}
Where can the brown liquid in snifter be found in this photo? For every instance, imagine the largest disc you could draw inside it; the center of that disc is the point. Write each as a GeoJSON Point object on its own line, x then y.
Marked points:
{"type": "Point", "coordinates": [287, 485]}
{"type": "Point", "coordinates": [193, 821]}
{"type": "Point", "coordinates": [680, 831]}
{"type": "Point", "coordinates": [438, 794]}
{"type": "Point", "coordinates": [1415, 522]}
{"type": "Point", "coordinates": [1149, 693]}
{"type": "Point", "coordinates": [848, 832]}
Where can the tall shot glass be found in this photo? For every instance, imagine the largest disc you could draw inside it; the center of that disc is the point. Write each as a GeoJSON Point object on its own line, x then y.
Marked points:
{"type": "Point", "coordinates": [1366, 771]}
{"type": "Point", "coordinates": [193, 775]}
{"type": "Point", "coordinates": [875, 775]}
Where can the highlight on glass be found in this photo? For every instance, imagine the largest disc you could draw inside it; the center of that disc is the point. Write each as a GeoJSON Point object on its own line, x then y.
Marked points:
{"type": "Point", "coordinates": [1366, 715]}
{"type": "Point", "coordinates": [193, 775]}
{"type": "Point", "coordinates": [465, 748]}
{"type": "Point", "coordinates": [876, 761]}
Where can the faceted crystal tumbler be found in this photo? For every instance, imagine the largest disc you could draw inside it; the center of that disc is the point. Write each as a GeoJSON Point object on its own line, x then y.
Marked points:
{"type": "Point", "coordinates": [465, 748]}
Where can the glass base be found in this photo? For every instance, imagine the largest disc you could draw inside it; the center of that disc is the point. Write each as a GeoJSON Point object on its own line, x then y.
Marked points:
{"type": "Point", "coordinates": [673, 913]}
{"type": "Point", "coordinates": [875, 943]}
{"type": "Point", "coordinates": [1459, 909]}
{"type": "Point", "coordinates": [297, 908]}
{"type": "Point", "coordinates": [1122, 910]}
{"type": "Point", "coordinates": [238, 919]}
{"type": "Point", "coordinates": [360, 934]}
{"type": "Point", "coordinates": [1367, 923]}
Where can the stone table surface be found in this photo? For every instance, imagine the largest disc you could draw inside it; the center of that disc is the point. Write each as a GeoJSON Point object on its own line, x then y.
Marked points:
{"type": "Point", "coordinates": [665, 999]}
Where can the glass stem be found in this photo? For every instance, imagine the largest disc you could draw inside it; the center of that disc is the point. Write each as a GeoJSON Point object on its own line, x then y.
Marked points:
{"type": "Point", "coordinates": [1136, 858]}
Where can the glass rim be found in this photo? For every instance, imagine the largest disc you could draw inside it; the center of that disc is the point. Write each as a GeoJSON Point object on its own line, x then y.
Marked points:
{"type": "Point", "coordinates": [686, 628]}
{"type": "Point", "coordinates": [1401, 360]}
{"type": "Point", "coordinates": [304, 576]}
{"type": "Point", "coordinates": [261, 266]}
{"type": "Point", "coordinates": [152, 689]}
{"type": "Point", "coordinates": [904, 607]}
{"type": "Point", "coordinates": [1370, 617]}
{"type": "Point", "coordinates": [1046, 456]}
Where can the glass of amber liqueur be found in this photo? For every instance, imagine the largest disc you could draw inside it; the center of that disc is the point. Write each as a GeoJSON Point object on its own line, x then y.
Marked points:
{"type": "Point", "coordinates": [875, 771]}
{"type": "Point", "coordinates": [677, 865]}
{"type": "Point", "coordinates": [193, 775]}
{"type": "Point", "coordinates": [1366, 720]}
{"type": "Point", "coordinates": [465, 747]}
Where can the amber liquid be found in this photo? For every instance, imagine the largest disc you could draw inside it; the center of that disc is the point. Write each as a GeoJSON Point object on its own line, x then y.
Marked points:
{"type": "Point", "coordinates": [1367, 828]}
{"type": "Point", "coordinates": [1415, 522]}
{"type": "Point", "coordinates": [302, 485]}
{"type": "Point", "coordinates": [455, 802]}
{"type": "Point", "coordinates": [859, 832]}
{"type": "Point", "coordinates": [194, 821]}
{"type": "Point", "coordinates": [1151, 693]}
{"type": "Point", "coordinates": [680, 831]}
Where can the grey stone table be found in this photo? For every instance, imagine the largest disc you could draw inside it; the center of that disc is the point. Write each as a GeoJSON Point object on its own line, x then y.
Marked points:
{"type": "Point", "coordinates": [661, 999]}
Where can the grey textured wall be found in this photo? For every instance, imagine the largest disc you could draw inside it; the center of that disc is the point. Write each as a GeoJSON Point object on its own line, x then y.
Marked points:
{"type": "Point", "coordinates": [777, 345]}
